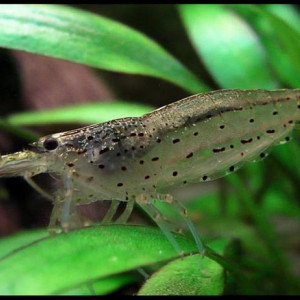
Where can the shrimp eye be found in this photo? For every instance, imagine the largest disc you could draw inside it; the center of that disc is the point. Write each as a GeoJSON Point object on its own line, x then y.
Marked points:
{"type": "Point", "coordinates": [50, 144]}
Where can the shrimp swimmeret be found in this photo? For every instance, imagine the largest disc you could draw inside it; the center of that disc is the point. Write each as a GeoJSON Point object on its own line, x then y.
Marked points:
{"type": "Point", "coordinates": [199, 138]}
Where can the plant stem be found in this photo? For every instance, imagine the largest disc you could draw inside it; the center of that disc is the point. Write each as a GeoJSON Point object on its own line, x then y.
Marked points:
{"type": "Point", "coordinates": [230, 266]}
{"type": "Point", "coordinates": [226, 264]}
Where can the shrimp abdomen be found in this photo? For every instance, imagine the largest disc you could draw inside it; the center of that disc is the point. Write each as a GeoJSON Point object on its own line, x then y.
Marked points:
{"type": "Point", "coordinates": [207, 136]}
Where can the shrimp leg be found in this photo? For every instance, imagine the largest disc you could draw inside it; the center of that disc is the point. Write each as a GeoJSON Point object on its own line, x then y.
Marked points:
{"type": "Point", "coordinates": [68, 209]}
{"type": "Point", "coordinates": [67, 212]}
{"type": "Point", "coordinates": [52, 227]}
{"type": "Point", "coordinates": [35, 186]}
{"type": "Point", "coordinates": [127, 212]}
{"type": "Point", "coordinates": [158, 218]}
{"type": "Point", "coordinates": [184, 214]}
{"type": "Point", "coordinates": [111, 212]}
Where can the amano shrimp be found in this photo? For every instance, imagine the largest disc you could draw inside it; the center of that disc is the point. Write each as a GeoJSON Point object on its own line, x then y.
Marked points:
{"type": "Point", "coordinates": [133, 160]}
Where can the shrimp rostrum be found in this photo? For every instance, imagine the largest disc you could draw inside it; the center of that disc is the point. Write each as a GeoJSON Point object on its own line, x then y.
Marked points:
{"type": "Point", "coordinates": [134, 160]}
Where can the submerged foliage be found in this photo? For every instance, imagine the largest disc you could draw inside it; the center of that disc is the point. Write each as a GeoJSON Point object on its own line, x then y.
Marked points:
{"type": "Point", "coordinates": [241, 46]}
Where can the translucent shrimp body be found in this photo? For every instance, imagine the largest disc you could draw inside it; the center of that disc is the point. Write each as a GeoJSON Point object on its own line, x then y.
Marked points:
{"type": "Point", "coordinates": [199, 138]}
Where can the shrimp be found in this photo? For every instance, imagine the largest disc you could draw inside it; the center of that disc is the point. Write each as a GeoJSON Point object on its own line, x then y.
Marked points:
{"type": "Point", "coordinates": [134, 160]}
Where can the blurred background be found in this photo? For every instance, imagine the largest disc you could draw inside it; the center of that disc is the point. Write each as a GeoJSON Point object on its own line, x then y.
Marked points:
{"type": "Point", "coordinates": [233, 206]}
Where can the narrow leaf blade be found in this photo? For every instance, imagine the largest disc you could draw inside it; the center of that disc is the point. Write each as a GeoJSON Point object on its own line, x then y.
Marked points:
{"type": "Point", "coordinates": [229, 48]}
{"type": "Point", "coordinates": [84, 113]}
{"type": "Point", "coordinates": [281, 41]}
{"type": "Point", "coordinates": [72, 34]}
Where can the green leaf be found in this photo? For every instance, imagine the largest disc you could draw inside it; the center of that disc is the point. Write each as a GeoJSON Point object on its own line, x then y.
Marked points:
{"type": "Point", "coordinates": [274, 203]}
{"type": "Point", "coordinates": [65, 261]}
{"type": "Point", "coordinates": [192, 275]}
{"type": "Point", "coordinates": [100, 287]}
{"type": "Point", "coordinates": [18, 131]}
{"type": "Point", "coordinates": [85, 113]}
{"type": "Point", "coordinates": [103, 286]}
{"type": "Point", "coordinates": [16, 241]}
{"type": "Point", "coordinates": [76, 35]}
{"type": "Point", "coordinates": [229, 48]}
{"type": "Point", "coordinates": [281, 41]}
{"type": "Point", "coordinates": [286, 12]}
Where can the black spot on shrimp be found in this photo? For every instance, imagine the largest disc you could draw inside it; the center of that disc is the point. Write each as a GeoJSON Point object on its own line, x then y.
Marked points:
{"type": "Point", "coordinates": [217, 150]}
{"type": "Point", "coordinates": [270, 131]}
{"type": "Point", "coordinates": [246, 141]}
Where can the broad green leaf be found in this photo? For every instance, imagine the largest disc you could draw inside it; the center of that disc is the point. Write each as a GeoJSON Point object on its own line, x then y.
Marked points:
{"type": "Point", "coordinates": [85, 113]}
{"type": "Point", "coordinates": [76, 35]}
{"type": "Point", "coordinates": [103, 286]}
{"type": "Point", "coordinates": [229, 48]}
{"type": "Point", "coordinates": [281, 41]}
{"type": "Point", "coordinates": [13, 242]}
{"type": "Point", "coordinates": [191, 275]}
{"type": "Point", "coordinates": [65, 261]}
{"type": "Point", "coordinates": [100, 287]}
